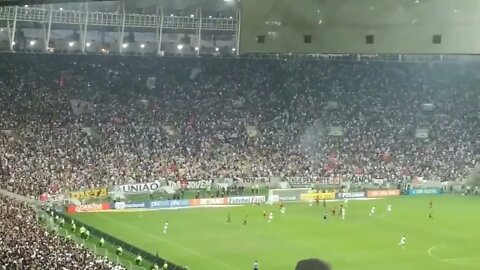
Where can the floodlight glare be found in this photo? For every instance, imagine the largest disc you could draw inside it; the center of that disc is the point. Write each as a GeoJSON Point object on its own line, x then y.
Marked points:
{"type": "Point", "coordinates": [142, 45]}
{"type": "Point", "coordinates": [180, 46]}
{"type": "Point", "coordinates": [125, 45]}
{"type": "Point", "coordinates": [88, 44]}
{"type": "Point", "coordinates": [71, 43]}
{"type": "Point", "coordinates": [196, 48]}
{"type": "Point", "coordinates": [32, 42]}
{"type": "Point", "coordinates": [233, 49]}
{"type": "Point", "coordinates": [216, 49]}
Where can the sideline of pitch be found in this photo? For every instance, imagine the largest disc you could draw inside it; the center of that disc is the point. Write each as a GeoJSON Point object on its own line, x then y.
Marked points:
{"type": "Point", "coordinates": [170, 208]}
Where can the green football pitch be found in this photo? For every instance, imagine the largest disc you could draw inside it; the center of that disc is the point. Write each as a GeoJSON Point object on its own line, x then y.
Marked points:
{"type": "Point", "coordinates": [202, 240]}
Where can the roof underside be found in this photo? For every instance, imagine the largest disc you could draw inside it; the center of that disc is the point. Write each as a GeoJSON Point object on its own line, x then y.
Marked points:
{"type": "Point", "coordinates": [179, 7]}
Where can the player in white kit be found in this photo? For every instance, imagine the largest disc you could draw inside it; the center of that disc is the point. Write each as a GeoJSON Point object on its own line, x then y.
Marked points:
{"type": "Point", "coordinates": [311, 201]}
{"type": "Point", "coordinates": [282, 210]}
{"type": "Point", "coordinates": [372, 211]}
{"type": "Point", "coordinates": [270, 217]}
{"type": "Point", "coordinates": [403, 242]}
{"type": "Point", "coordinates": [342, 211]}
{"type": "Point", "coordinates": [389, 208]}
{"type": "Point", "coordinates": [165, 227]}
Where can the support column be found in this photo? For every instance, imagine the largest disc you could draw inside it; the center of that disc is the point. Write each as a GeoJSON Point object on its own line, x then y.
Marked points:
{"type": "Point", "coordinates": [238, 32]}
{"type": "Point", "coordinates": [159, 31]}
{"type": "Point", "coordinates": [12, 39]}
{"type": "Point", "coordinates": [122, 33]}
{"type": "Point", "coordinates": [83, 35]}
{"type": "Point", "coordinates": [49, 28]}
{"type": "Point", "coordinates": [199, 34]}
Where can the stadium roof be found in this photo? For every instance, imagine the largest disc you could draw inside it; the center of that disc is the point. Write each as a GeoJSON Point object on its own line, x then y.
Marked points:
{"type": "Point", "coordinates": [213, 7]}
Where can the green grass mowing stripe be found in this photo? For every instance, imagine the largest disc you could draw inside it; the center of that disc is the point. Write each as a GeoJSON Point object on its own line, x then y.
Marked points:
{"type": "Point", "coordinates": [171, 243]}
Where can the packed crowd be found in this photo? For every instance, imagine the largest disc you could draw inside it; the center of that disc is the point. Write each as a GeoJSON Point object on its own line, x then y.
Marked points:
{"type": "Point", "coordinates": [82, 121]}
{"type": "Point", "coordinates": [26, 244]}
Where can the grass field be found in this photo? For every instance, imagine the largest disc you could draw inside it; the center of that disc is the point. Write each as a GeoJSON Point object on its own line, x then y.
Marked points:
{"type": "Point", "coordinates": [201, 239]}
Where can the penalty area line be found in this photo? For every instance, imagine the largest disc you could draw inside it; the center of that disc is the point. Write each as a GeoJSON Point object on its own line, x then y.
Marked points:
{"type": "Point", "coordinates": [170, 242]}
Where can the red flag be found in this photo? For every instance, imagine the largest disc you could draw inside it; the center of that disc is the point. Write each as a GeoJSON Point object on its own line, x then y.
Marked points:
{"type": "Point", "coordinates": [358, 170]}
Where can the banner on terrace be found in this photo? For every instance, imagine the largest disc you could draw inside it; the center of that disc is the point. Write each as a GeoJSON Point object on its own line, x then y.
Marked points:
{"type": "Point", "coordinates": [190, 184]}
{"type": "Point", "coordinates": [308, 181]}
{"type": "Point", "coordinates": [138, 188]}
{"type": "Point", "coordinates": [89, 193]}
{"type": "Point", "coordinates": [260, 181]}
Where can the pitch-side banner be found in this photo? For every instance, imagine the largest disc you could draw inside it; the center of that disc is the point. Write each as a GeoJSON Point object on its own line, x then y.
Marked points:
{"type": "Point", "coordinates": [209, 201]}
{"type": "Point", "coordinates": [260, 181]}
{"type": "Point", "coordinates": [383, 193]}
{"type": "Point", "coordinates": [96, 207]}
{"type": "Point", "coordinates": [421, 191]}
{"type": "Point", "coordinates": [346, 195]}
{"type": "Point", "coordinates": [137, 188]}
{"type": "Point", "coordinates": [320, 196]}
{"type": "Point", "coordinates": [308, 181]}
{"type": "Point", "coordinates": [246, 199]}
{"type": "Point", "coordinates": [190, 184]}
{"type": "Point", "coordinates": [89, 193]}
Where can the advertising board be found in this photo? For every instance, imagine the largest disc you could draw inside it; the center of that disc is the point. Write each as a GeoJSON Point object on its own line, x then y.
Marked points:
{"type": "Point", "coordinates": [420, 191]}
{"type": "Point", "coordinates": [124, 205]}
{"type": "Point", "coordinates": [320, 196]}
{"type": "Point", "coordinates": [246, 199]}
{"type": "Point", "coordinates": [342, 195]}
{"type": "Point", "coordinates": [96, 207]}
{"type": "Point", "coordinates": [209, 201]}
{"type": "Point", "coordinates": [383, 193]}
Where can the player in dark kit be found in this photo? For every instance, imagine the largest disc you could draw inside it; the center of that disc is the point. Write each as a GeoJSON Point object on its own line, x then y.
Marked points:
{"type": "Point", "coordinates": [245, 220]}
{"type": "Point", "coordinates": [325, 215]}
{"type": "Point", "coordinates": [333, 211]}
{"type": "Point", "coordinates": [264, 214]}
{"type": "Point", "coordinates": [430, 216]}
{"type": "Point", "coordinates": [431, 204]}
{"type": "Point", "coordinates": [229, 219]}
{"type": "Point", "coordinates": [324, 203]}
{"type": "Point", "coordinates": [317, 201]}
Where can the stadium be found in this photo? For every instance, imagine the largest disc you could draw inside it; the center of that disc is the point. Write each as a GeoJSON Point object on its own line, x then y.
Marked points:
{"type": "Point", "coordinates": [239, 134]}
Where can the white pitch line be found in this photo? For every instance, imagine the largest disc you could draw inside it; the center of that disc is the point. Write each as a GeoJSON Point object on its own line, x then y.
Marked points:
{"type": "Point", "coordinates": [170, 242]}
{"type": "Point", "coordinates": [431, 249]}
{"type": "Point", "coordinates": [430, 253]}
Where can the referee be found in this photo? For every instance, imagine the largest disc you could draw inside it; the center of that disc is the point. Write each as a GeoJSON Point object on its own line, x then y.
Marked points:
{"type": "Point", "coordinates": [255, 265]}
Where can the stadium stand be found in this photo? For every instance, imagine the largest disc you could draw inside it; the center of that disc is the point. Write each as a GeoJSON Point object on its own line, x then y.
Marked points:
{"type": "Point", "coordinates": [26, 244]}
{"type": "Point", "coordinates": [72, 122]}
